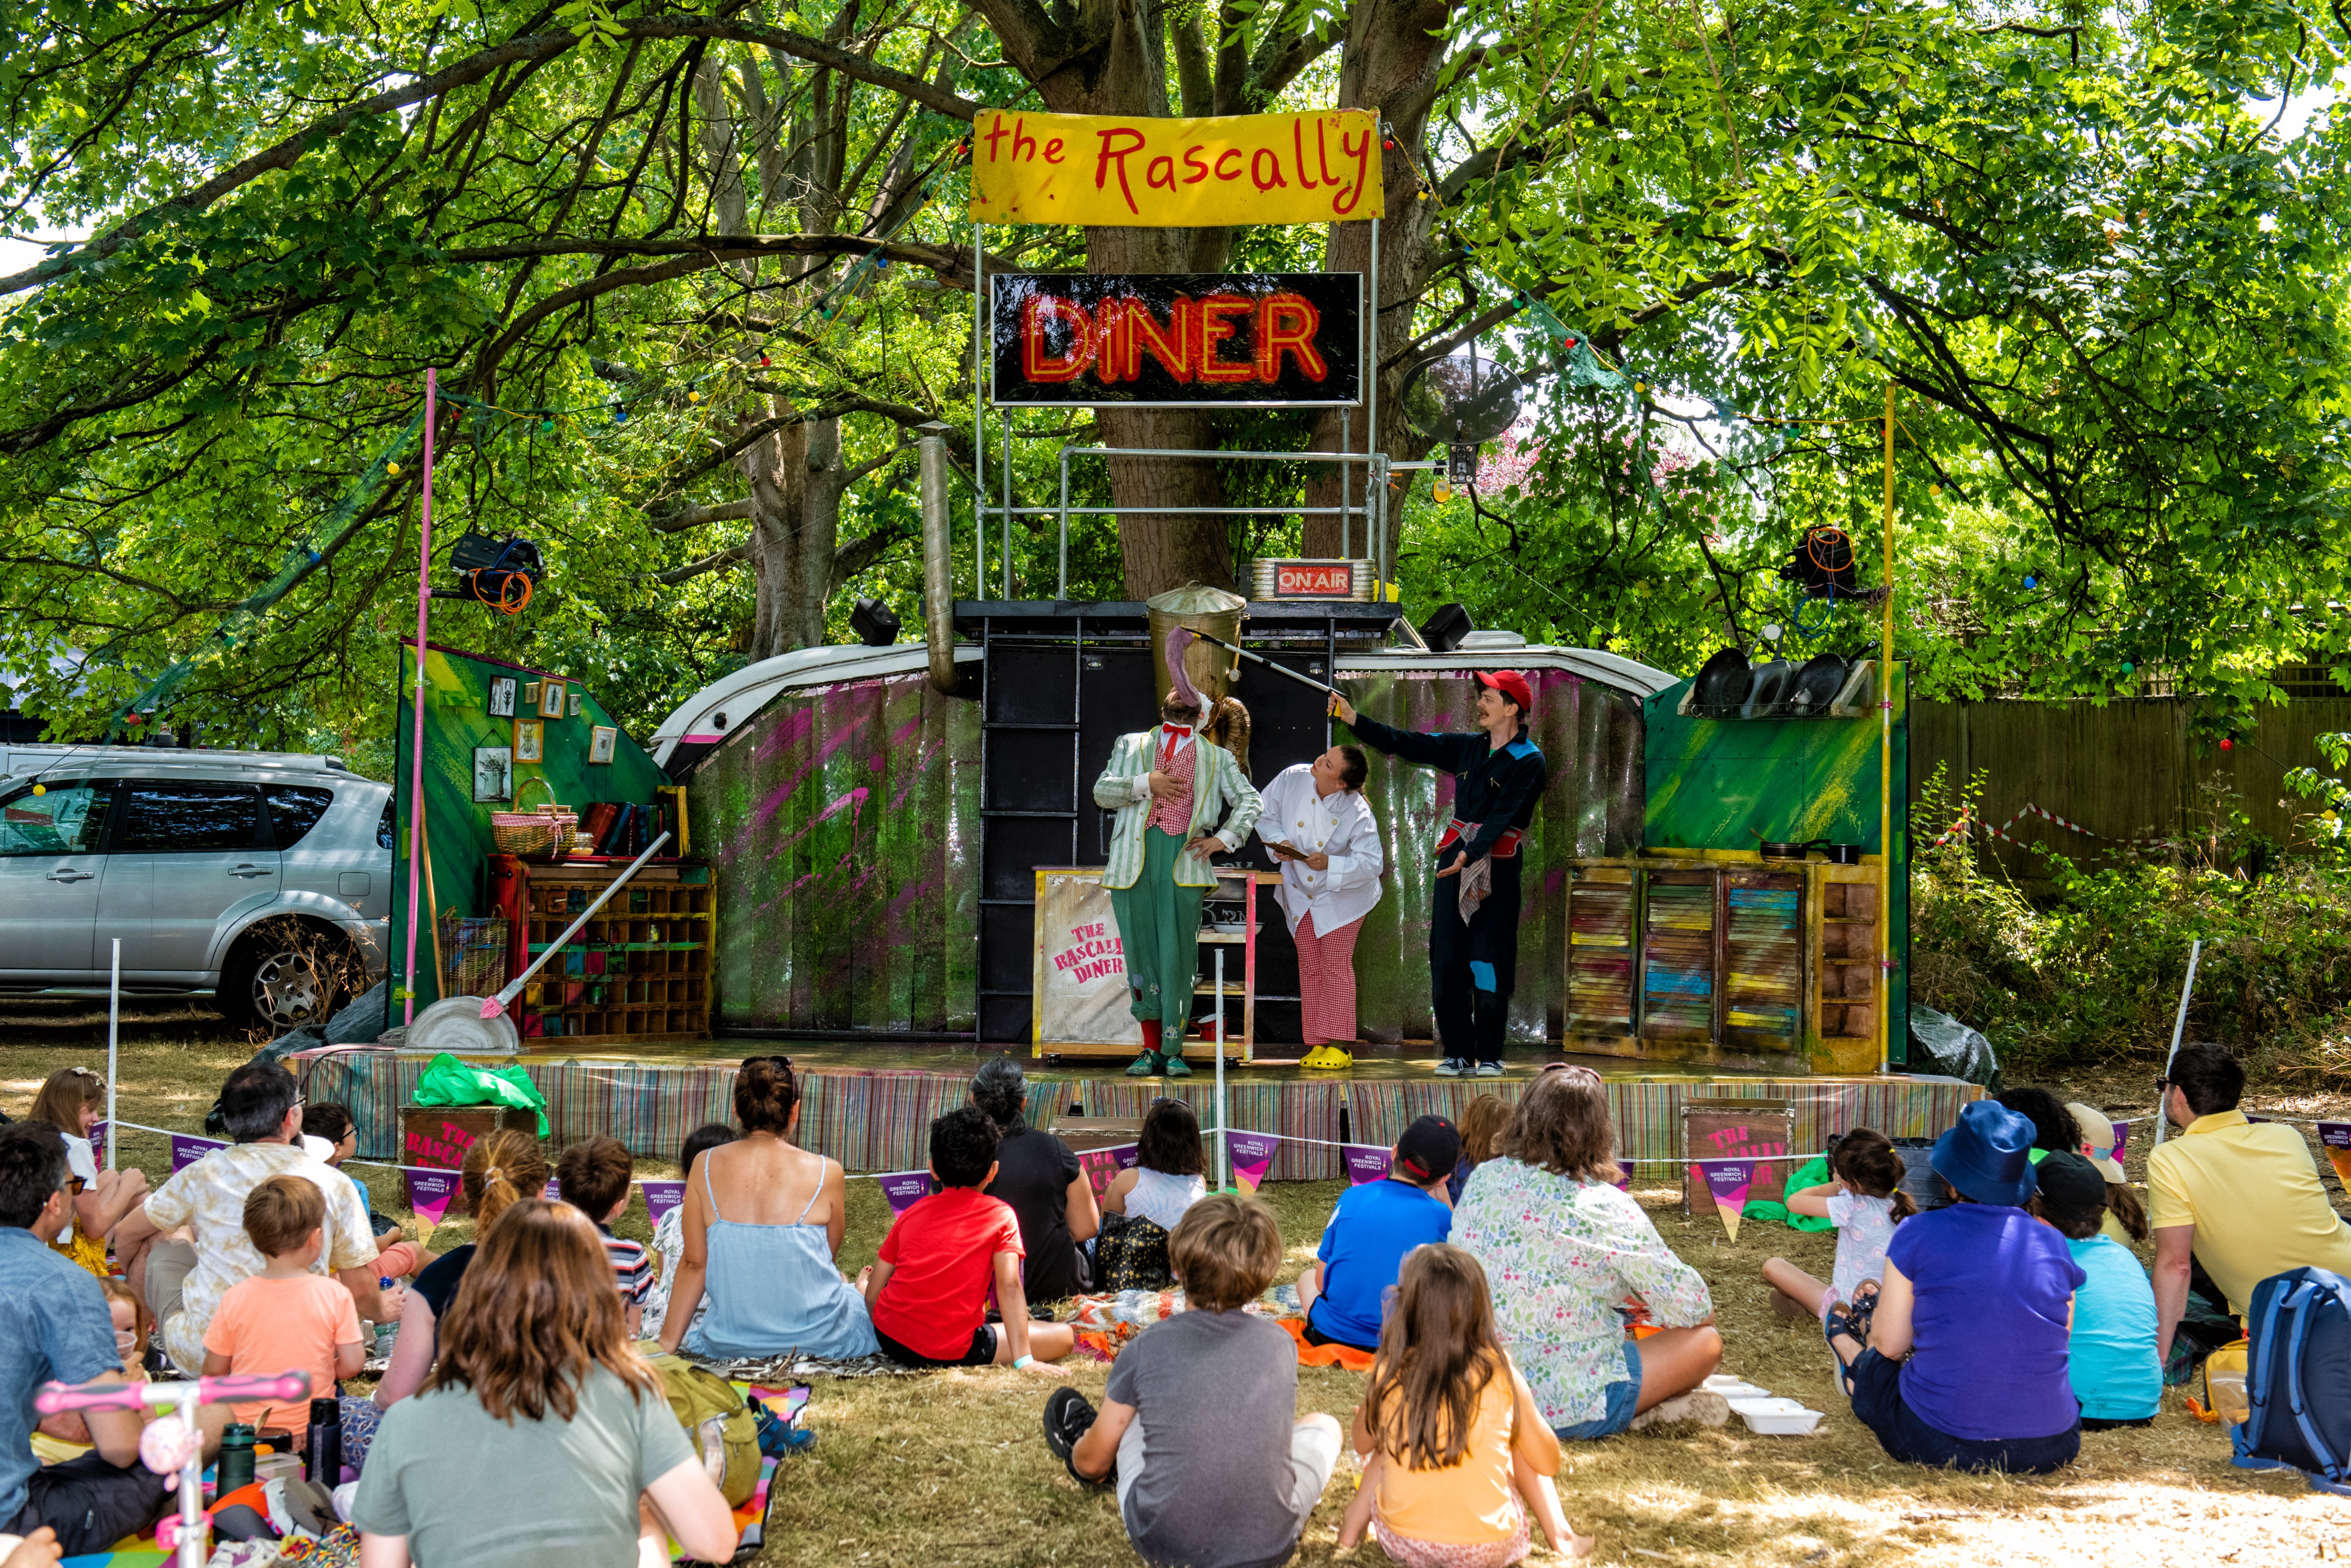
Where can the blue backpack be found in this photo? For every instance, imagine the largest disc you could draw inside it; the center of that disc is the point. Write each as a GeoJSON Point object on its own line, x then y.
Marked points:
{"type": "Point", "coordinates": [2298, 1379]}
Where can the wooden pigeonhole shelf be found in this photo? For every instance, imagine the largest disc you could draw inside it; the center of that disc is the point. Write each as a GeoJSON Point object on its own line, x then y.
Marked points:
{"type": "Point", "coordinates": [639, 969]}
{"type": "Point", "coordinates": [1723, 958]}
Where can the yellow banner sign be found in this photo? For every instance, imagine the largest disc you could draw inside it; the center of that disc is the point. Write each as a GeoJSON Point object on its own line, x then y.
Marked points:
{"type": "Point", "coordinates": [1105, 171]}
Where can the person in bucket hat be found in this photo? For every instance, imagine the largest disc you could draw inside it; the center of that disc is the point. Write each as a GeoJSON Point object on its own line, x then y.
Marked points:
{"type": "Point", "coordinates": [1964, 1360]}
{"type": "Point", "coordinates": [1473, 931]}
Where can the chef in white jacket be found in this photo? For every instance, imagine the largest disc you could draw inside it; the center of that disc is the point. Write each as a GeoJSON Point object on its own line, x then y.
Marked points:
{"type": "Point", "coordinates": [1318, 826]}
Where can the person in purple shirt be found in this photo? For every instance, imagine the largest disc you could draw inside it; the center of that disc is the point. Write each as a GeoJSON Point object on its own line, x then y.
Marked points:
{"type": "Point", "coordinates": [1959, 1360]}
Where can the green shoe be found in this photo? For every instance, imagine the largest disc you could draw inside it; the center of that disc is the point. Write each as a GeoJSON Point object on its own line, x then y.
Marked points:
{"type": "Point", "coordinates": [1172, 1066]}
{"type": "Point", "coordinates": [1145, 1066]}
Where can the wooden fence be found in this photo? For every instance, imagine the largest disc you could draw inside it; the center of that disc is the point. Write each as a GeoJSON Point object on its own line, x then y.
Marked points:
{"type": "Point", "coordinates": [2130, 769]}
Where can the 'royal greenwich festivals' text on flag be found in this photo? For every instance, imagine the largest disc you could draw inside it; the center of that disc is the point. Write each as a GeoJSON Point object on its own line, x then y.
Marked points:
{"type": "Point", "coordinates": [1110, 170]}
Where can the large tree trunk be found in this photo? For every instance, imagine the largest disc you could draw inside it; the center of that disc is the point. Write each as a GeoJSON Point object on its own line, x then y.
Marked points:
{"type": "Point", "coordinates": [1394, 50]}
{"type": "Point", "coordinates": [796, 482]}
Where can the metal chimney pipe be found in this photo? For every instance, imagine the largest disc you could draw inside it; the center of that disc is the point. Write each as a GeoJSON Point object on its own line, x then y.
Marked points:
{"type": "Point", "coordinates": [938, 558]}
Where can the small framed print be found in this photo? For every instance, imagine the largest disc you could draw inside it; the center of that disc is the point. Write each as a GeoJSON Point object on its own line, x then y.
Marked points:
{"type": "Point", "coordinates": [579, 701]}
{"type": "Point", "coordinates": [530, 696]}
{"type": "Point", "coordinates": [493, 773]}
{"type": "Point", "coordinates": [601, 742]}
{"type": "Point", "coordinates": [502, 698]}
{"type": "Point", "coordinates": [550, 700]}
{"type": "Point", "coordinates": [530, 740]}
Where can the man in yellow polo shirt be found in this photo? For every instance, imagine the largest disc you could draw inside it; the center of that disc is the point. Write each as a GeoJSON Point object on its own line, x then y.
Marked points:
{"type": "Point", "coordinates": [2242, 1199]}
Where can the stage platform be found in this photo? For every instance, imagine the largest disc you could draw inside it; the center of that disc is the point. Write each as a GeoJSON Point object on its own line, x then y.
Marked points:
{"type": "Point", "coordinates": [868, 1105]}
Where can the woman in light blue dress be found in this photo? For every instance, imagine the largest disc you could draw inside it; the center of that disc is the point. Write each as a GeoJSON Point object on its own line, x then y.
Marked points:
{"type": "Point", "coordinates": [763, 1220]}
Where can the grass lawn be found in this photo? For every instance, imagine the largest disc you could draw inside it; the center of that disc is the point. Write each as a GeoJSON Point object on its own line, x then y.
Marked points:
{"type": "Point", "coordinates": [952, 1469]}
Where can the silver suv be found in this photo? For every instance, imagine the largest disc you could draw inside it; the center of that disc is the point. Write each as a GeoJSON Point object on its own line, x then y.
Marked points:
{"type": "Point", "coordinates": [265, 878]}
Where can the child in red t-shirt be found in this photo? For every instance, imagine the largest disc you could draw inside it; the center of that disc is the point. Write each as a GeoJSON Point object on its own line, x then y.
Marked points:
{"type": "Point", "coordinates": [286, 1318]}
{"type": "Point", "coordinates": [928, 1293]}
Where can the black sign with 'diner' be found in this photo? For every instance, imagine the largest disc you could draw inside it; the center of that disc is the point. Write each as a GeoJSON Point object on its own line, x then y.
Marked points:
{"type": "Point", "coordinates": [1175, 340]}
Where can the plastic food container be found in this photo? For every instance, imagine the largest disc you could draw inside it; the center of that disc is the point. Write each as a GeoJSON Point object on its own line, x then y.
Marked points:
{"type": "Point", "coordinates": [1732, 1387]}
{"type": "Point", "coordinates": [1776, 1417]}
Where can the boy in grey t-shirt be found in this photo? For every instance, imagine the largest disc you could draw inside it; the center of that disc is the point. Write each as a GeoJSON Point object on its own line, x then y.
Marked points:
{"type": "Point", "coordinates": [1196, 1432]}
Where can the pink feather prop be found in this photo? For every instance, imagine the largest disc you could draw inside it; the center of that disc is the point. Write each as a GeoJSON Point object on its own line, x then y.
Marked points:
{"type": "Point", "coordinates": [1180, 638]}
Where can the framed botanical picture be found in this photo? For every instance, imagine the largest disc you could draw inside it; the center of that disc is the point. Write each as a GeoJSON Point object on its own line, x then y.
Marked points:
{"type": "Point", "coordinates": [601, 742]}
{"type": "Point", "coordinates": [502, 698]}
{"type": "Point", "coordinates": [579, 701]}
{"type": "Point", "coordinates": [550, 700]}
{"type": "Point", "coordinates": [530, 740]}
{"type": "Point", "coordinates": [530, 696]}
{"type": "Point", "coordinates": [494, 773]}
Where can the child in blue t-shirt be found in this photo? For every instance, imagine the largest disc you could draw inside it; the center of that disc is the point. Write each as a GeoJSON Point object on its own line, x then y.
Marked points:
{"type": "Point", "coordinates": [1372, 1229]}
{"type": "Point", "coordinates": [2110, 1353]}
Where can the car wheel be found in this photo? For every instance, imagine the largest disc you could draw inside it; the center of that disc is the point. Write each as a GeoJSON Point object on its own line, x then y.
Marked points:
{"type": "Point", "coordinates": [283, 976]}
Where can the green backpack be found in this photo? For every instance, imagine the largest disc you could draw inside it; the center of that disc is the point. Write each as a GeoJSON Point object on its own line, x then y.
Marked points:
{"type": "Point", "coordinates": [718, 1422]}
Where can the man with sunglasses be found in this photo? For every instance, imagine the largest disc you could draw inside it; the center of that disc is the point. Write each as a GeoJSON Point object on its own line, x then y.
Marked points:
{"type": "Point", "coordinates": [1473, 929]}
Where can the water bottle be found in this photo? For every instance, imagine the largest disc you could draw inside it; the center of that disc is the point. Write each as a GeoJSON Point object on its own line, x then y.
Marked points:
{"type": "Point", "coordinates": [322, 1451]}
{"type": "Point", "coordinates": [234, 1467]}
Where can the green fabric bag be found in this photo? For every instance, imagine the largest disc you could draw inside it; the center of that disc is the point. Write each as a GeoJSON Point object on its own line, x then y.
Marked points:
{"type": "Point", "coordinates": [446, 1081]}
{"type": "Point", "coordinates": [1812, 1173]}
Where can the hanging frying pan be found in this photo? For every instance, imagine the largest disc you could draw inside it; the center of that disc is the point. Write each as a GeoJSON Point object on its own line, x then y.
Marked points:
{"type": "Point", "coordinates": [1721, 684]}
{"type": "Point", "coordinates": [1816, 685]}
{"type": "Point", "coordinates": [1769, 689]}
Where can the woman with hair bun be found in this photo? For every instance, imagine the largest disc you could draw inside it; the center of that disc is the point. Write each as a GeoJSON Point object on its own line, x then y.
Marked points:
{"type": "Point", "coordinates": [1038, 1176]}
{"type": "Point", "coordinates": [762, 1222]}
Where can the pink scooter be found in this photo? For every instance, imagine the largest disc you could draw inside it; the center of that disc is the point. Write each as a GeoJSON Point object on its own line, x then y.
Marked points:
{"type": "Point", "coordinates": [174, 1440]}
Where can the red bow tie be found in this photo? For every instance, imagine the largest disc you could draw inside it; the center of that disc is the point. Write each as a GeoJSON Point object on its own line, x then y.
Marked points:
{"type": "Point", "coordinates": [1174, 732]}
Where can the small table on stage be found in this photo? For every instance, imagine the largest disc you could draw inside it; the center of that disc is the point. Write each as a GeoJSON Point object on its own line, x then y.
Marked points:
{"type": "Point", "coordinates": [1080, 997]}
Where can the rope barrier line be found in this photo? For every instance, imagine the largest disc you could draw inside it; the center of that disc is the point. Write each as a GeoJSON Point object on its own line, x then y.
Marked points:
{"type": "Point", "coordinates": [1968, 819]}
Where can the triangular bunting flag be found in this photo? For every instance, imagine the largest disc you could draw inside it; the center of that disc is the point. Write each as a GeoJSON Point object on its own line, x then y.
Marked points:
{"type": "Point", "coordinates": [429, 1193]}
{"type": "Point", "coordinates": [1251, 1155]}
{"type": "Point", "coordinates": [1728, 1180]}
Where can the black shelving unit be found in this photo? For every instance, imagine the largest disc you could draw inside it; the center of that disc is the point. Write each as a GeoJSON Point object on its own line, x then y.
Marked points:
{"type": "Point", "coordinates": [1059, 683]}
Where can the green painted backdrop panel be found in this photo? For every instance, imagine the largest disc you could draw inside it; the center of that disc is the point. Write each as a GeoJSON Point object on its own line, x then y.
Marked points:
{"type": "Point", "coordinates": [1729, 784]}
{"type": "Point", "coordinates": [457, 830]}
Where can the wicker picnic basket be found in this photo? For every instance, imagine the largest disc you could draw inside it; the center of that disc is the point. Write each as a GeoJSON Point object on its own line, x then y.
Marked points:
{"type": "Point", "coordinates": [540, 834]}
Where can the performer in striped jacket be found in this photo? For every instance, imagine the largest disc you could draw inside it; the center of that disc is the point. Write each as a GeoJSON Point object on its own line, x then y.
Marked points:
{"type": "Point", "coordinates": [1169, 788]}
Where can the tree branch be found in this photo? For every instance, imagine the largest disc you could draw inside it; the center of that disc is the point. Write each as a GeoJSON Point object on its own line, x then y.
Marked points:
{"type": "Point", "coordinates": [726, 557]}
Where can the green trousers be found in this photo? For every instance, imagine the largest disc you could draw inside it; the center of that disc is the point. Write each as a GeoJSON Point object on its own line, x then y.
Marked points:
{"type": "Point", "coordinates": [1159, 934]}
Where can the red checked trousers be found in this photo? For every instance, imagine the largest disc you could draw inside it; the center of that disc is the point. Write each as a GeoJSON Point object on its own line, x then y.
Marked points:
{"type": "Point", "coordinates": [1326, 981]}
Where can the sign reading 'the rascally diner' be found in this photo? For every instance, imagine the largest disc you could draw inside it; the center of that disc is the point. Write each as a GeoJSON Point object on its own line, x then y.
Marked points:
{"type": "Point", "coordinates": [1115, 172]}
{"type": "Point", "coordinates": [1177, 339]}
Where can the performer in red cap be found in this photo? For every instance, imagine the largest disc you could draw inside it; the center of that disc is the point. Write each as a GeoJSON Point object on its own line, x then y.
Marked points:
{"type": "Point", "coordinates": [1473, 932]}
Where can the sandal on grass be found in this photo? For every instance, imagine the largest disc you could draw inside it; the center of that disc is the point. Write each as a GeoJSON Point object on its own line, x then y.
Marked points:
{"type": "Point", "coordinates": [1838, 1324]}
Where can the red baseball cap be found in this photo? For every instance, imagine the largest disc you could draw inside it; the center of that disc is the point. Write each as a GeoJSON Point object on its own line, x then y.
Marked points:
{"type": "Point", "coordinates": [1512, 684]}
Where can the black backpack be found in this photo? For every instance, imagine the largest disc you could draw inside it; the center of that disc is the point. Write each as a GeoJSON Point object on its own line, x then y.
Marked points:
{"type": "Point", "coordinates": [2298, 1379]}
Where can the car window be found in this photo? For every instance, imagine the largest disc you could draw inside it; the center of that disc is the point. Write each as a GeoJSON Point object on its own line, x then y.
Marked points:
{"type": "Point", "coordinates": [295, 809]}
{"type": "Point", "coordinates": [383, 825]}
{"type": "Point", "coordinates": [63, 819]}
{"type": "Point", "coordinates": [171, 818]}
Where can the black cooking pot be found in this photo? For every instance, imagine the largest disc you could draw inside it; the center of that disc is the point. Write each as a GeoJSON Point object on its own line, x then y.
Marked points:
{"type": "Point", "coordinates": [1816, 685]}
{"type": "Point", "coordinates": [1721, 684]}
{"type": "Point", "coordinates": [1838, 854]}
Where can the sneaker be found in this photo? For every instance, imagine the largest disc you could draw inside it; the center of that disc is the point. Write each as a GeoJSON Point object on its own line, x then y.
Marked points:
{"type": "Point", "coordinates": [1069, 1416]}
{"type": "Point", "coordinates": [1144, 1066]}
{"type": "Point", "coordinates": [1172, 1066]}
{"type": "Point", "coordinates": [1488, 1070]}
{"type": "Point", "coordinates": [1451, 1067]}
{"type": "Point", "coordinates": [1702, 1406]}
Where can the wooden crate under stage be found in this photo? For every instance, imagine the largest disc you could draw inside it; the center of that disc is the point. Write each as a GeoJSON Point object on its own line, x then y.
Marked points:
{"type": "Point", "coordinates": [639, 969]}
